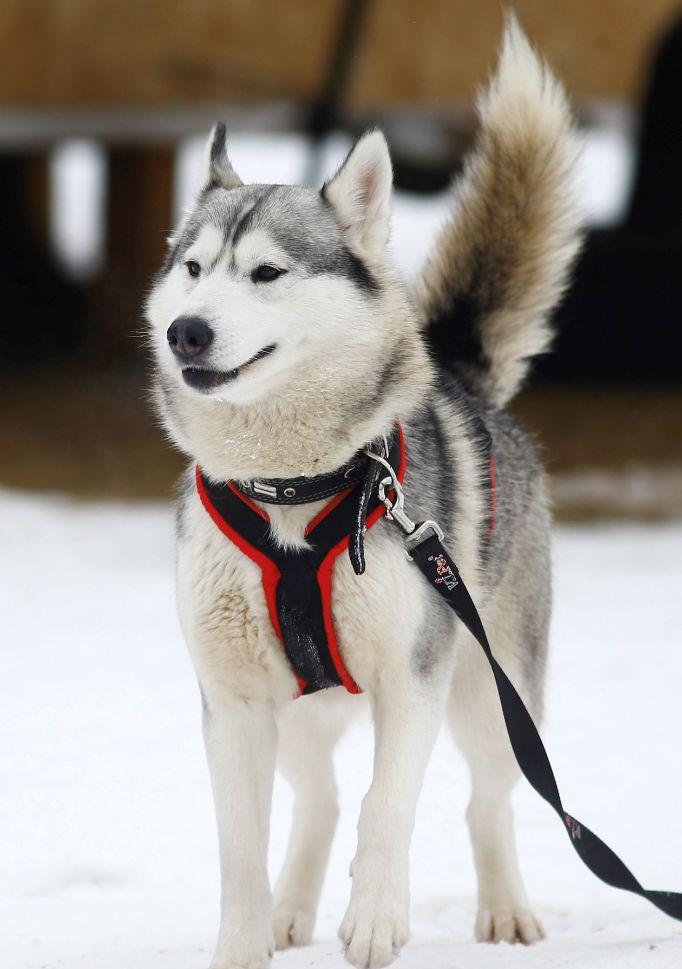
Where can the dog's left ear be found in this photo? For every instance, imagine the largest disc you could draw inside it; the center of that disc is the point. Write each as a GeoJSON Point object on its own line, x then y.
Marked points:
{"type": "Point", "coordinates": [360, 193]}
{"type": "Point", "coordinates": [218, 170]}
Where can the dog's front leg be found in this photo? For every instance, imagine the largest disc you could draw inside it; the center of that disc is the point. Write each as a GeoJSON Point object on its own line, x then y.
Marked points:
{"type": "Point", "coordinates": [407, 716]}
{"type": "Point", "coordinates": [241, 740]}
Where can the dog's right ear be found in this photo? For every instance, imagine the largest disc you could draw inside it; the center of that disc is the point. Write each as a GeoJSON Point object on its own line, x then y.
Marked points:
{"type": "Point", "coordinates": [218, 171]}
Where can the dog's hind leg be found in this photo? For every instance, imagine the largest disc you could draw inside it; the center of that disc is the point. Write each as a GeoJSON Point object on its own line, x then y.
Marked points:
{"type": "Point", "coordinates": [309, 730]}
{"type": "Point", "coordinates": [475, 717]}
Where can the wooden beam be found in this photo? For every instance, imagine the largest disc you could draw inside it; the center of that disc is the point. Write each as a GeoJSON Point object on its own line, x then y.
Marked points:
{"type": "Point", "coordinates": [61, 53]}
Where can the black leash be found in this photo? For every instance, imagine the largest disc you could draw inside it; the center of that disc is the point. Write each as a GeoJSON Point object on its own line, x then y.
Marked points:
{"type": "Point", "coordinates": [423, 542]}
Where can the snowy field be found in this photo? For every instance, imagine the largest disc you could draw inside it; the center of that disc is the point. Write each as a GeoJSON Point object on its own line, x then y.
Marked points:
{"type": "Point", "coordinates": [107, 846]}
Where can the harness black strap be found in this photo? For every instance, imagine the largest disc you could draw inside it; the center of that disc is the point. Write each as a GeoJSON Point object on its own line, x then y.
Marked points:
{"type": "Point", "coordinates": [441, 572]}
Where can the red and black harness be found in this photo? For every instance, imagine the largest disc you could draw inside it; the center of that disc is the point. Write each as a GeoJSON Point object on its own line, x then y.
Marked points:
{"type": "Point", "coordinates": [298, 590]}
{"type": "Point", "coordinates": [298, 581]}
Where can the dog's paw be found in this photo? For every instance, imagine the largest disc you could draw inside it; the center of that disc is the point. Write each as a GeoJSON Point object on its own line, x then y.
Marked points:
{"type": "Point", "coordinates": [372, 936]}
{"type": "Point", "coordinates": [508, 924]}
{"type": "Point", "coordinates": [241, 952]}
{"type": "Point", "coordinates": [237, 962]}
{"type": "Point", "coordinates": [292, 927]}
{"type": "Point", "coordinates": [242, 961]}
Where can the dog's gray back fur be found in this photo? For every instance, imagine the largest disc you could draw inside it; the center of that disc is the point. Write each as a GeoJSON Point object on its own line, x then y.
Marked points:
{"type": "Point", "coordinates": [515, 511]}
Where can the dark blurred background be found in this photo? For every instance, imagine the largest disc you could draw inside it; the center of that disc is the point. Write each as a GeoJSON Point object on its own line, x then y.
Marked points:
{"type": "Point", "coordinates": [103, 109]}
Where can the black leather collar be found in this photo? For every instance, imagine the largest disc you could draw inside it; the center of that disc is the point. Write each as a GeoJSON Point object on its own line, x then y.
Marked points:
{"type": "Point", "coordinates": [302, 490]}
{"type": "Point", "coordinates": [361, 474]}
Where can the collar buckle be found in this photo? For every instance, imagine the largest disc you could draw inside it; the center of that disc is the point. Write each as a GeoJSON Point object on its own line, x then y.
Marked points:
{"type": "Point", "coordinates": [267, 491]}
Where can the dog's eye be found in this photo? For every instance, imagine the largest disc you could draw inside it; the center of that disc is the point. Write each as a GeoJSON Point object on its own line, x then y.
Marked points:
{"type": "Point", "coordinates": [265, 274]}
{"type": "Point", "coordinates": [193, 268]}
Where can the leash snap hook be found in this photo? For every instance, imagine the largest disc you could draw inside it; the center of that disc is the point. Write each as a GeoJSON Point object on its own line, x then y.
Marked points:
{"type": "Point", "coordinates": [415, 533]}
{"type": "Point", "coordinates": [395, 507]}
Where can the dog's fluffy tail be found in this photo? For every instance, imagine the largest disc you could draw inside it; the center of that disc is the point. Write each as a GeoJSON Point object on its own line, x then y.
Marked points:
{"type": "Point", "coordinates": [502, 260]}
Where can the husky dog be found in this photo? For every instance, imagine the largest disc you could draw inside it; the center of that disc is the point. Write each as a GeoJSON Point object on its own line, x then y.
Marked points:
{"type": "Point", "coordinates": [302, 346]}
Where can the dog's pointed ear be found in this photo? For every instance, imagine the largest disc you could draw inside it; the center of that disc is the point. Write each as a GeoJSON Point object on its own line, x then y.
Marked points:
{"type": "Point", "coordinates": [360, 194]}
{"type": "Point", "coordinates": [218, 170]}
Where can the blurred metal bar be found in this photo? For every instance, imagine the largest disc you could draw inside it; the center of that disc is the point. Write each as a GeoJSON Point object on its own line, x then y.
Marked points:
{"type": "Point", "coordinates": [325, 110]}
{"type": "Point", "coordinates": [40, 128]}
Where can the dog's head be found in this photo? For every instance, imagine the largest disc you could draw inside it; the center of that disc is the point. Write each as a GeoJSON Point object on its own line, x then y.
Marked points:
{"type": "Point", "coordinates": [269, 287]}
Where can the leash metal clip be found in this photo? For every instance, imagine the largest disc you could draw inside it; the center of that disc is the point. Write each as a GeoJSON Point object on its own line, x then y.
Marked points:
{"type": "Point", "coordinates": [395, 509]}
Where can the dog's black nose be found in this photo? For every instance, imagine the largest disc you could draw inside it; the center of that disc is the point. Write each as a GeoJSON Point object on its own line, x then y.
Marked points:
{"type": "Point", "coordinates": [188, 336]}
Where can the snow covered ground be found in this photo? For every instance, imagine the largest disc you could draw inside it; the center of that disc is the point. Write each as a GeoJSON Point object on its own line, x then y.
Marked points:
{"type": "Point", "coordinates": [107, 844]}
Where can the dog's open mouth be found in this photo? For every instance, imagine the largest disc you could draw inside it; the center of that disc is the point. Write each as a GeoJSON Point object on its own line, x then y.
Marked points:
{"type": "Point", "coordinates": [200, 379]}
